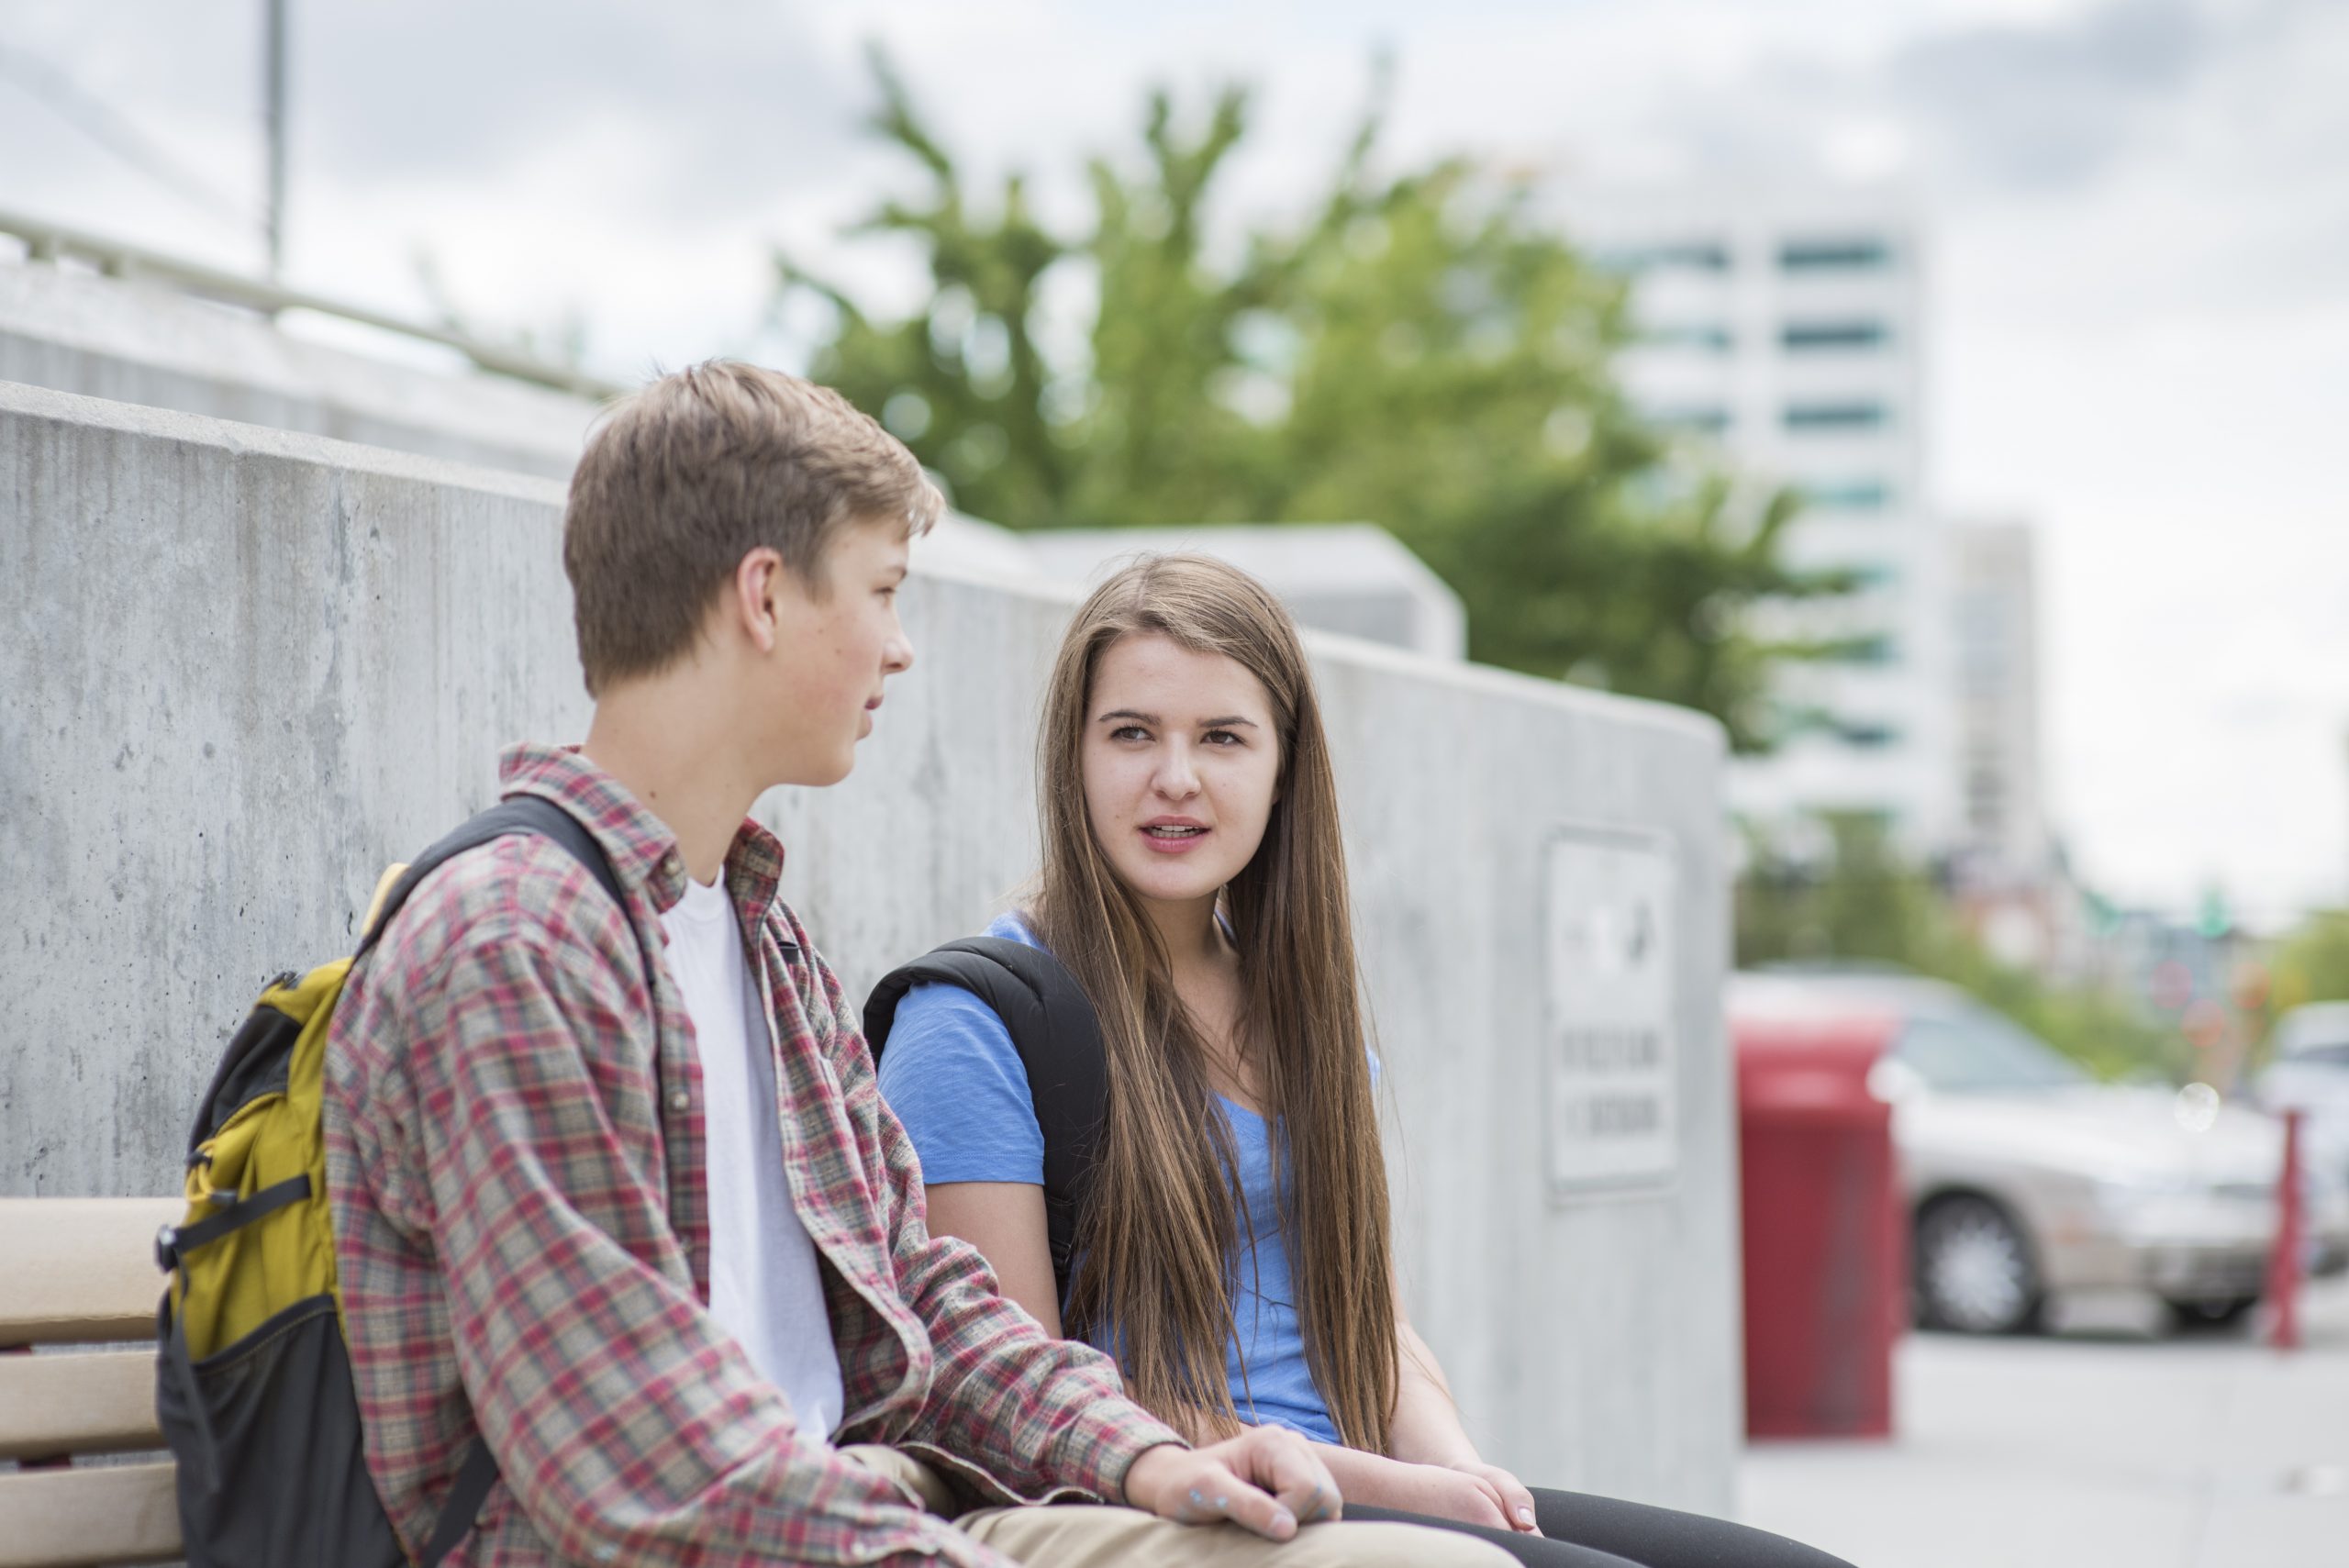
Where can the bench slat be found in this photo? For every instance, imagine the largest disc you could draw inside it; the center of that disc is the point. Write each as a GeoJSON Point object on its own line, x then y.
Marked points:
{"type": "Point", "coordinates": [80, 1271]}
{"type": "Point", "coordinates": [93, 1404]}
{"type": "Point", "coordinates": [88, 1519]}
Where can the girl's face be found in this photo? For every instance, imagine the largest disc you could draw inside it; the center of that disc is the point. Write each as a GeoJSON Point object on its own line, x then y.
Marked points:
{"type": "Point", "coordinates": [1182, 765]}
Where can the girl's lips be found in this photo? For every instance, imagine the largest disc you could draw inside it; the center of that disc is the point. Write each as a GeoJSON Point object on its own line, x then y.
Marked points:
{"type": "Point", "coordinates": [1181, 845]}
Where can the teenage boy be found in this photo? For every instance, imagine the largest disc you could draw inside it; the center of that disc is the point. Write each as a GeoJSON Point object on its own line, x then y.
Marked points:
{"type": "Point", "coordinates": [613, 1187]}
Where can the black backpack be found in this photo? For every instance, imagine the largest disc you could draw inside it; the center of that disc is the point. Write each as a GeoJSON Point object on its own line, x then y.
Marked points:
{"type": "Point", "coordinates": [1054, 1029]}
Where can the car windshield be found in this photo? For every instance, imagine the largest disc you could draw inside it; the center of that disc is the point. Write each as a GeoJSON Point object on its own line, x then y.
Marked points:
{"type": "Point", "coordinates": [1980, 1053]}
{"type": "Point", "coordinates": [2321, 1055]}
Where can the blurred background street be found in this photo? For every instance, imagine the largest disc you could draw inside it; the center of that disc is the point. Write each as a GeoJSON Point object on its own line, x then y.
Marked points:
{"type": "Point", "coordinates": [2106, 1445]}
{"type": "Point", "coordinates": [1916, 413]}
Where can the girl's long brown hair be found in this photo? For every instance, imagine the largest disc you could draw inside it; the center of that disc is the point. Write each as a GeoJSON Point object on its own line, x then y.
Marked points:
{"type": "Point", "coordinates": [1159, 1232]}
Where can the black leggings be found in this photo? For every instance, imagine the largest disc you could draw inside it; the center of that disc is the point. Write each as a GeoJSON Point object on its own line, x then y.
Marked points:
{"type": "Point", "coordinates": [1581, 1531]}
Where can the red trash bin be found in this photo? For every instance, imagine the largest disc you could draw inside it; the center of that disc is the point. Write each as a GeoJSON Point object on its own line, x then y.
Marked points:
{"type": "Point", "coordinates": [1826, 1238]}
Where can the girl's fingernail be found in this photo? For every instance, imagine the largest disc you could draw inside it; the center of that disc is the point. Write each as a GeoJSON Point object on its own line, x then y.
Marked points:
{"type": "Point", "coordinates": [1525, 1517]}
{"type": "Point", "coordinates": [1284, 1519]}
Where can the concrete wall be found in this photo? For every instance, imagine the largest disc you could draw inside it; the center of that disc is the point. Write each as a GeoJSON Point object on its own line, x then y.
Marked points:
{"type": "Point", "coordinates": [1354, 578]}
{"type": "Point", "coordinates": [75, 331]}
{"type": "Point", "coordinates": [246, 667]}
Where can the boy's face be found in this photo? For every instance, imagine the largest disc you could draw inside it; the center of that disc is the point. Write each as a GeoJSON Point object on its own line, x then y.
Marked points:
{"type": "Point", "coordinates": [833, 651]}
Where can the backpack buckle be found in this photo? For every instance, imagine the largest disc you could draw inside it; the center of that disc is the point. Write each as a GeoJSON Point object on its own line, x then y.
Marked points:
{"type": "Point", "coordinates": [167, 1248]}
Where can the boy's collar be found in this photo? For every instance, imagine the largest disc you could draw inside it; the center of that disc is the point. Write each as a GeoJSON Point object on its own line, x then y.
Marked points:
{"type": "Point", "coordinates": [642, 850]}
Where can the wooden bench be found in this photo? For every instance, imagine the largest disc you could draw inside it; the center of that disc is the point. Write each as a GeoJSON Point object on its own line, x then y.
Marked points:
{"type": "Point", "coordinates": [80, 1272]}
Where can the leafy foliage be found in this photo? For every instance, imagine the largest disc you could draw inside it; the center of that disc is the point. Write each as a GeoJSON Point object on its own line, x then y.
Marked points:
{"type": "Point", "coordinates": [1419, 351]}
{"type": "Point", "coordinates": [2310, 963]}
{"type": "Point", "coordinates": [1864, 902]}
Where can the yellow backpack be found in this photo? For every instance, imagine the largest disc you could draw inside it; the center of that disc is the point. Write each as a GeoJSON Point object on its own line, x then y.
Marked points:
{"type": "Point", "coordinates": [253, 1388]}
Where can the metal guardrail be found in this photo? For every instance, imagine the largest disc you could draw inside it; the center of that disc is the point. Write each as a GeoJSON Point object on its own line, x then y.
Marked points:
{"type": "Point", "coordinates": [52, 242]}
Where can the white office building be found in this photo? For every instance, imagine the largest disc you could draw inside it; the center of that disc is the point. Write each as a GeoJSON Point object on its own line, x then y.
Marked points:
{"type": "Point", "coordinates": [2003, 833]}
{"type": "Point", "coordinates": [1785, 325]}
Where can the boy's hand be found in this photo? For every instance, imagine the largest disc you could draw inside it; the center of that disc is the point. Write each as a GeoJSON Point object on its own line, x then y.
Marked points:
{"type": "Point", "coordinates": [1265, 1480]}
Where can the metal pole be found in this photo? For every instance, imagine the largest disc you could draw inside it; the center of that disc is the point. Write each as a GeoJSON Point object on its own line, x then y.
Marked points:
{"type": "Point", "coordinates": [274, 74]}
{"type": "Point", "coordinates": [2283, 1264]}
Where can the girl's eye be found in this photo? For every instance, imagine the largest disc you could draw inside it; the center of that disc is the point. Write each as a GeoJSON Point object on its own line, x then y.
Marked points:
{"type": "Point", "coordinates": [1222, 737]}
{"type": "Point", "coordinates": [1130, 732]}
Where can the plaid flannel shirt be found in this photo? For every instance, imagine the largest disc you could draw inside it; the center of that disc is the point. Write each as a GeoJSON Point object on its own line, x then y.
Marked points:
{"type": "Point", "coordinates": [515, 1161]}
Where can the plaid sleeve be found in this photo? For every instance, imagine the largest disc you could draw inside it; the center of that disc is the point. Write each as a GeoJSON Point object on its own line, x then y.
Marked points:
{"type": "Point", "coordinates": [1040, 1415]}
{"type": "Point", "coordinates": [628, 1424]}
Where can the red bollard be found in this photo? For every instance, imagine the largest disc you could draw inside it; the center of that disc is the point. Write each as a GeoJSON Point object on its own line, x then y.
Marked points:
{"type": "Point", "coordinates": [2284, 1263]}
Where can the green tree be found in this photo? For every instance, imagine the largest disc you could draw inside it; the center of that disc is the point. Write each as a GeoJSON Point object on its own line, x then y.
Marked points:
{"type": "Point", "coordinates": [1861, 901]}
{"type": "Point", "coordinates": [1417, 349]}
{"type": "Point", "coordinates": [1856, 900]}
{"type": "Point", "coordinates": [2310, 963]}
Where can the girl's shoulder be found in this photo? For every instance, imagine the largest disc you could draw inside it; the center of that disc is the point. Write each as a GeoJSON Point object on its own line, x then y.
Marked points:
{"type": "Point", "coordinates": [957, 1083]}
{"type": "Point", "coordinates": [936, 1019]}
{"type": "Point", "coordinates": [1015, 925]}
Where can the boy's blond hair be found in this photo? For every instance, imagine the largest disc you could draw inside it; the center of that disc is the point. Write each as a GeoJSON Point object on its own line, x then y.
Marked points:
{"type": "Point", "coordinates": [684, 478]}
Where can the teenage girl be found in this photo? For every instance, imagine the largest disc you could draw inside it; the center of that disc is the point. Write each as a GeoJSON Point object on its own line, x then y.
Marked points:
{"type": "Point", "coordinates": [1234, 1253]}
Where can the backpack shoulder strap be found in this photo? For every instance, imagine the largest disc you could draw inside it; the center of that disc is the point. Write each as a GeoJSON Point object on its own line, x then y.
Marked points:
{"type": "Point", "coordinates": [1054, 1026]}
{"type": "Point", "coordinates": [516, 814]}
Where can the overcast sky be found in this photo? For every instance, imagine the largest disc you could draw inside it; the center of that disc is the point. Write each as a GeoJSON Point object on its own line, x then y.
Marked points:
{"type": "Point", "coordinates": [2139, 229]}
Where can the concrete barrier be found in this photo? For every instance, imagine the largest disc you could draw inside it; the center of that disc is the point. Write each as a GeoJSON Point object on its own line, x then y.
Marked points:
{"type": "Point", "coordinates": [247, 668]}
{"type": "Point", "coordinates": [135, 342]}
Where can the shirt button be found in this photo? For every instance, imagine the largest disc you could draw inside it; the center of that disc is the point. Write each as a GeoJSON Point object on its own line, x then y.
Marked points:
{"type": "Point", "coordinates": [606, 1552]}
{"type": "Point", "coordinates": [680, 1100]}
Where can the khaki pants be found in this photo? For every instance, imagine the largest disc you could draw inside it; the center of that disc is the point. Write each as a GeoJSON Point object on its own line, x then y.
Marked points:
{"type": "Point", "coordinates": [1102, 1537]}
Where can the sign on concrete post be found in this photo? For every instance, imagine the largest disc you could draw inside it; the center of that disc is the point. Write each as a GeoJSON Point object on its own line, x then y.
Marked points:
{"type": "Point", "coordinates": [1612, 1118]}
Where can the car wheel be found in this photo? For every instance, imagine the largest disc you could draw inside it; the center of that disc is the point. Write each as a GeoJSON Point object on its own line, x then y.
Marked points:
{"type": "Point", "coordinates": [1974, 1270]}
{"type": "Point", "coordinates": [2223, 1313]}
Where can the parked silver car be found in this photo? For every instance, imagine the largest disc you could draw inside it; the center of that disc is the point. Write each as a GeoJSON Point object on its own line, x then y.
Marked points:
{"type": "Point", "coordinates": [2026, 1178]}
{"type": "Point", "coordinates": [2308, 1068]}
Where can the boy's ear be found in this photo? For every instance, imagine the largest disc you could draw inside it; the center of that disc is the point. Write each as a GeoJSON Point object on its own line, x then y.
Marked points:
{"type": "Point", "coordinates": [754, 599]}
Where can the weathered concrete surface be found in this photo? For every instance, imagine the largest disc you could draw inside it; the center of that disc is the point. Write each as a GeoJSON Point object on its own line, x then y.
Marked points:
{"type": "Point", "coordinates": [1354, 578]}
{"type": "Point", "coordinates": [244, 669]}
{"type": "Point", "coordinates": [73, 331]}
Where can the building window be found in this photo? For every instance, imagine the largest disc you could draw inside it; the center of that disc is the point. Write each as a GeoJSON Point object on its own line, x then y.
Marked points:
{"type": "Point", "coordinates": [1712, 337]}
{"type": "Point", "coordinates": [1849, 495]}
{"type": "Point", "coordinates": [1703, 421]}
{"type": "Point", "coordinates": [1865, 735]}
{"type": "Point", "coordinates": [1875, 652]}
{"type": "Point", "coordinates": [1852, 416]}
{"type": "Point", "coordinates": [1833, 254]}
{"type": "Point", "coordinates": [1811, 337]}
{"type": "Point", "coordinates": [1682, 255]}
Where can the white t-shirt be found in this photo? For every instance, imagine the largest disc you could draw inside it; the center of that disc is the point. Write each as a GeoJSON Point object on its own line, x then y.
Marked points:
{"type": "Point", "coordinates": [764, 1286]}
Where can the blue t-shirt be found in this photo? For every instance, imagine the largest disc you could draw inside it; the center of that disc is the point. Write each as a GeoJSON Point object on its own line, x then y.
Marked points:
{"type": "Point", "coordinates": [956, 1082]}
